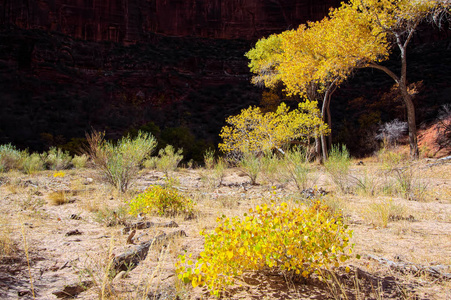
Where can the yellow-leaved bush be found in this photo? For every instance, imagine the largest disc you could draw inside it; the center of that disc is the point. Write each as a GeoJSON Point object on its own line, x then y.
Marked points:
{"type": "Point", "coordinates": [253, 131]}
{"type": "Point", "coordinates": [279, 237]}
{"type": "Point", "coordinates": [160, 200]}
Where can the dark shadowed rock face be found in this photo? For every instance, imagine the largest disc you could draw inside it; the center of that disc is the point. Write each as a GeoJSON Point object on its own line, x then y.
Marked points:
{"type": "Point", "coordinates": [131, 20]}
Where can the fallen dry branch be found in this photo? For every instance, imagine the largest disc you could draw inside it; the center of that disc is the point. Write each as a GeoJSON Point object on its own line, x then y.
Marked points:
{"type": "Point", "coordinates": [130, 259]}
{"type": "Point", "coordinates": [416, 269]}
{"type": "Point", "coordinates": [145, 225]}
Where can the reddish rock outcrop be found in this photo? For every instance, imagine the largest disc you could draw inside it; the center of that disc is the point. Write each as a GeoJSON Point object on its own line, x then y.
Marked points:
{"type": "Point", "coordinates": [130, 20]}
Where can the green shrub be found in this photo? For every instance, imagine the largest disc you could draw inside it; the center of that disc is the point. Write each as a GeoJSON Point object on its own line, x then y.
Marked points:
{"type": "Point", "coordinates": [10, 158]}
{"type": "Point", "coordinates": [119, 163]}
{"type": "Point", "coordinates": [251, 166]}
{"type": "Point", "coordinates": [209, 158]}
{"type": "Point", "coordinates": [337, 165]}
{"type": "Point", "coordinates": [405, 178]}
{"type": "Point", "coordinates": [58, 159]}
{"type": "Point", "coordinates": [33, 163]}
{"type": "Point", "coordinates": [290, 240]}
{"type": "Point", "coordinates": [80, 161]}
{"type": "Point", "coordinates": [409, 184]}
{"type": "Point", "coordinates": [151, 163]}
{"type": "Point", "coordinates": [272, 168]}
{"type": "Point", "coordinates": [163, 201]}
{"type": "Point", "coordinates": [168, 159]}
{"type": "Point", "coordinates": [298, 168]}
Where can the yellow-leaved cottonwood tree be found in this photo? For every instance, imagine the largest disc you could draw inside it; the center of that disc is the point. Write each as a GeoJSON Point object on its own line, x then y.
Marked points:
{"type": "Point", "coordinates": [253, 131]}
{"type": "Point", "coordinates": [321, 55]}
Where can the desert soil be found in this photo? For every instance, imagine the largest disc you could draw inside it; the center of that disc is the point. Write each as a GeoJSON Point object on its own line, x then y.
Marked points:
{"type": "Point", "coordinates": [59, 245]}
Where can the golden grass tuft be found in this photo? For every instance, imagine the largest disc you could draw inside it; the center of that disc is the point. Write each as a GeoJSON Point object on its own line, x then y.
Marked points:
{"type": "Point", "coordinates": [7, 246]}
{"type": "Point", "coordinates": [59, 197]}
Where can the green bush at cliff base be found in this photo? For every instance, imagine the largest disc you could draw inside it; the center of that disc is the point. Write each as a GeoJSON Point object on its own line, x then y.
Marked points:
{"type": "Point", "coordinates": [163, 201]}
{"type": "Point", "coordinates": [292, 240]}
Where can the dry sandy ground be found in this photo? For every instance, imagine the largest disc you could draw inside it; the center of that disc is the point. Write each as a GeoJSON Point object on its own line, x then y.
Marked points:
{"type": "Point", "coordinates": [59, 245]}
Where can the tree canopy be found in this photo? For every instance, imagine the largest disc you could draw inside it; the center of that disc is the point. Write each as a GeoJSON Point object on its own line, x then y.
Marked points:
{"type": "Point", "coordinates": [360, 33]}
{"type": "Point", "coordinates": [252, 131]}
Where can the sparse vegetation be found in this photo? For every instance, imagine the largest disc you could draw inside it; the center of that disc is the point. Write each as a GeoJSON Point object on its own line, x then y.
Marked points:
{"type": "Point", "coordinates": [338, 165]}
{"type": "Point", "coordinates": [168, 159]}
{"type": "Point", "coordinates": [10, 158]}
{"type": "Point", "coordinates": [58, 159]}
{"type": "Point", "coordinates": [264, 240]}
{"type": "Point", "coordinates": [162, 201]}
{"type": "Point", "coordinates": [251, 166]}
{"type": "Point", "coordinates": [80, 161]}
{"type": "Point", "coordinates": [119, 163]}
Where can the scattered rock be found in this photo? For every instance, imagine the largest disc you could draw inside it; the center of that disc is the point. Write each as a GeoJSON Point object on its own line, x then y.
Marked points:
{"type": "Point", "coordinates": [120, 275]}
{"type": "Point", "coordinates": [28, 183]}
{"type": "Point", "coordinates": [38, 193]}
{"type": "Point", "coordinates": [131, 258]}
{"type": "Point", "coordinates": [163, 296]}
{"type": "Point", "coordinates": [75, 217]}
{"type": "Point", "coordinates": [23, 293]}
{"type": "Point", "coordinates": [313, 193]}
{"type": "Point", "coordinates": [188, 217]}
{"type": "Point", "coordinates": [72, 290]}
{"type": "Point", "coordinates": [171, 224]}
{"type": "Point", "coordinates": [410, 218]}
{"type": "Point", "coordinates": [73, 232]}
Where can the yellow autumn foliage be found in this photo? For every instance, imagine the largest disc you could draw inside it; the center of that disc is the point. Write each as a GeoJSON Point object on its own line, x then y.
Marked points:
{"type": "Point", "coordinates": [354, 35]}
{"type": "Point", "coordinates": [253, 131]}
{"type": "Point", "coordinates": [291, 240]}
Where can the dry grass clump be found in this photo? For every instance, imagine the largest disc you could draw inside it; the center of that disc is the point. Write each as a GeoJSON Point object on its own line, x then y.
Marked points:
{"type": "Point", "coordinates": [58, 197]}
{"type": "Point", "coordinates": [7, 246]}
{"type": "Point", "coordinates": [380, 211]}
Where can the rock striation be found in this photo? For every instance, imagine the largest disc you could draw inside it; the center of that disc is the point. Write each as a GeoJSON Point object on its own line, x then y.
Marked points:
{"type": "Point", "coordinates": [129, 21]}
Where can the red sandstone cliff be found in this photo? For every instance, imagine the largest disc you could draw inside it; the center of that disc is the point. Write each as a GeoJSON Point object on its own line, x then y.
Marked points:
{"type": "Point", "coordinates": [130, 20]}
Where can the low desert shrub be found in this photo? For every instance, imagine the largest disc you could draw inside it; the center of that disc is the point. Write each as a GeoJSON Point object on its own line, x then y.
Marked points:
{"type": "Point", "coordinates": [367, 184]}
{"type": "Point", "coordinates": [80, 161]}
{"type": "Point", "coordinates": [10, 158]}
{"type": "Point", "coordinates": [251, 166]}
{"type": "Point", "coordinates": [402, 177]}
{"type": "Point", "coordinates": [33, 162]}
{"type": "Point", "coordinates": [298, 168]}
{"type": "Point", "coordinates": [273, 168]}
{"type": "Point", "coordinates": [291, 240]}
{"type": "Point", "coordinates": [409, 184]}
{"type": "Point", "coordinates": [209, 159]}
{"type": "Point", "coordinates": [163, 201]}
{"type": "Point", "coordinates": [58, 159]}
{"type": "Point", "coordinates": [337, 165]}
{"type": "Point", "coordinates": [168, 159]}
{"type": "Point", "coordinates": [119, 163]}
{"type": "Point", "coordinates": [215, 176]}
{"type": "Point", "coordinates": [151, 163]}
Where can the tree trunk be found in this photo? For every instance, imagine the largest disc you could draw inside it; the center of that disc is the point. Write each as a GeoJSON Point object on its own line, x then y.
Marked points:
{"type": "Point", "coordinates": [413, 142]}
{"type": "Point", "coordinates": [323, 138]}
{"type": "Point", "coordinates": [407, 99]}
{"type": "Point", "coordinates": [318, 149]}
{"type": "Point", "coordinates": [327, 118]}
